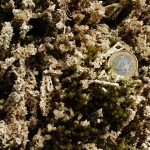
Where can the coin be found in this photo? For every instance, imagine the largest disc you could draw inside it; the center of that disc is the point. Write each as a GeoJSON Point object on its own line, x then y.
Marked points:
{"type": "Point", "coordinates": [123, 63]}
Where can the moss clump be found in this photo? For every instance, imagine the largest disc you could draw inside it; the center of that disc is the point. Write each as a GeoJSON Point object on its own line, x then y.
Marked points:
{"type": "Point", "coordinates": [75, 97]}
{"type": "Point", "coordinates": [68, 72]}
{"type": "Point", "coordinates": [115, 114]}
{"type": "Point", "coordinates": [92, 53]}
{"type": "Point", "coordinates": [68, 133]}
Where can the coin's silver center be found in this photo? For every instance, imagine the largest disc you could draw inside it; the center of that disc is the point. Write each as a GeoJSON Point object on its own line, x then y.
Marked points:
{"type": "Point", "coordinates": [122, 64]}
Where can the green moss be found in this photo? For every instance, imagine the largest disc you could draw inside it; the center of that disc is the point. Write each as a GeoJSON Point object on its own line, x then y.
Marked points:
{"type": "Point", "coordinates": [75, 83]}
{"type": "Point", "coordinates": [68, 72]}
{"type": "Point", "coordinates": [108, 148]}
{"type": "Point", "coordinates": [69, 133]}
{"type": "Point", "coordinates": [92, 53]}
{"type": "Point", "coordinates": [30, 38]}
{"type": "Point", "coordinates": [115, 114]}
{"type": "Point", "coordinates": [105, 104]}
{"type": "Point", "coordinates": [37, 1]}
{"type": "Point", "coordinates": [70, 95]}
{"type": "Point", "coordinates": [120, 147]}
{"type": "Point", "coordinates": [3, 1]}
{"type": "Point", "coordinates": [108, 68]}
{"type": "Point", "coordinates": [126, 103]}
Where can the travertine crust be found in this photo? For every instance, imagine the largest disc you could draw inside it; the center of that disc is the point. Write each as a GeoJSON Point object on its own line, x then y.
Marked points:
{"type": "Point", "coordinates": [56, 91]}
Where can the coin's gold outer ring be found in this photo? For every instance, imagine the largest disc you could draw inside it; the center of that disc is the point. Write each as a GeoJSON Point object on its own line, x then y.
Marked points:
{"type": "Point", "coordinates": [127, 53]}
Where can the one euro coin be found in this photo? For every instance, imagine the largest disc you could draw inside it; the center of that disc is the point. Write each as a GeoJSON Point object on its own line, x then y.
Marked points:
{"type": "Point", "coordinates": [123, 63]}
